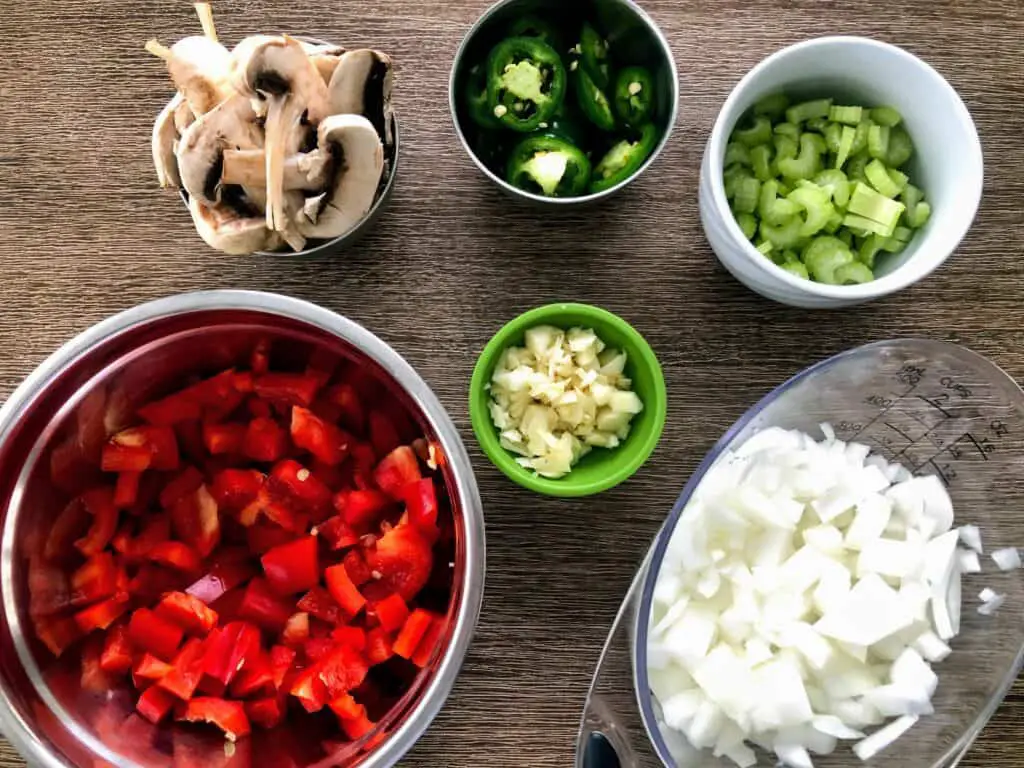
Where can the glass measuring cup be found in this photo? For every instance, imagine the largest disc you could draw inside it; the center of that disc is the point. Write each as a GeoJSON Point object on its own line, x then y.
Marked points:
{"type": "Point", "coordinates": [937, 408]}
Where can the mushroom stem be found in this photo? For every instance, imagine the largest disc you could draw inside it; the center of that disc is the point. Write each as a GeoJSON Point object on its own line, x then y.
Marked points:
{"type": "Point", "coordinates": [157, 49]}
{"type": "Point", "coordinates": [283, 114]}
{"type": "Point", "coordinates": [248, 167]}
{"type": "Point", "coordinates": [165, 134]}
{"type": "Point", "coordinates": [205, 13]}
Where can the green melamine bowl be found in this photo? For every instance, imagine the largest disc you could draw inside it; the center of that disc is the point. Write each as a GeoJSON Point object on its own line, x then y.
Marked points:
{"type": "Point", "coordinates": [602, 468]}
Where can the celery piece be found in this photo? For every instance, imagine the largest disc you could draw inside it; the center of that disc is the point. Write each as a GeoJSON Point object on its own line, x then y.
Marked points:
{"type": "Point", "coordinates": [833, 137]}
{"type": "Point", "coordinates": [837, 184]}
{"type": "Point", "coordinates": [808, 110]}
{"type": "Point", "coordinates": [868, 203]}
{"type": "Point", "coordinates": [761, 159]}
{"type": "Point", "coordinates": [772, 208]}
{"type": "Point", "coordinates": [846, 139]}
{"type": "Point", "coordinates": [789, 255]}
{"type": "Point", "coordinates": [833, 224]}
{"type": "Point", "coordinates": [784, 188]}
{"type": "Point", "coordinates": [747, 192]}
{"type": "Point", "coordinates": [901, 148]}
{"type": "Point", "coordinates": [736, 153]}
{"type": "Point", "coordinates": [765, 247]}
{"type": "Point", "coordinates": [807, 163]}
{"type": "Point", "coordinates": [855, 167]}
{"type": "Point", "coordinates": [817, 124]}
{"type": "Point", "coordinates": [878, 142]}
{"type": "Point", "coordinates": [824, 255]}
{"type": "Point", "coordinates": [774, 106]}
{"type": "Point", "coordinates": [853, 273]}
{"type": "Point", "coordinates": [817, 206]}
{"type": "Point", "coordinates": [731, 178]}
{"type": "Point", "coordinates": [911, 196]}
{"type": "Point", "coordinates": [862, 224]}
{"type": "Point", "coordinates": [748, 224]}
{"type": "Point", "coordinates": [892, 245]}
{"type": "Point", "coordinates": [787, 129]}
{"type": "Point", "coordinates": [796, 268]}
{"type": "Point", "coordinates": [848, 115]}
{"type": "Point", "coordinates": [869, 250]}
{"type": "Point", "coordinates": [899, 178]}
{"type": "Point", "coordinates": [878, 177]}
{"type": "Point", "coordinates": [903, 234]}
{"type": "Point", "coordinates": [860, 139]}
{"type": "Point", "coordinates": [759, 132]}
{"type": "Point", "coordinates": [785, 235]}
{"type": "Point", "coordinates": [886, 116]}
{"type": "Point", "coordinates": [846, 235]}
{"type": "Point", "coordinates": [786, 146]}
{"type": "Point", "coordinates": [919, 216]}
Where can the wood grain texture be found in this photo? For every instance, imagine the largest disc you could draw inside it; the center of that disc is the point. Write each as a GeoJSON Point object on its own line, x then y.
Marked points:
{"type": "Point", "coordinates": [86, 233]}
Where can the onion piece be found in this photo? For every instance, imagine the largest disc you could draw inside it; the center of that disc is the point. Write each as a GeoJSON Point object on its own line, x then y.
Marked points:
{"type": "Point", "coordinates": [1007, 559]}
{"type": "Point", "coordinates": [867, 748]}
{"type": "Point", "coordinates": [970, 535]}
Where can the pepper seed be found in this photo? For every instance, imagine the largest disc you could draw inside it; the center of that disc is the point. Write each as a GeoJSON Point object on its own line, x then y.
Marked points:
{"type": "Point", "coordinates": [500, 111]}
{"type": "Point", "coordinates": [635, 88]}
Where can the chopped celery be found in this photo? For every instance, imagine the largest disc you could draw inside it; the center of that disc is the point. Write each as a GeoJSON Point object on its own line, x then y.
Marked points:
{"type": "Point", "coordinates": [833, 137]}
{"type": "Point", "coordinates": [760, 132]}
{"type": "Point", "coordinates": [860, 139]}
{"type": "Point", "coordinates": [911, 196]}
{"type": "Point", "coordinates": [919, 216]}
{"type": "Point", "coordinates": [736, 153]}
{"type": "Point", "coordinates": [784, 187]}
{"type": "Point", "coordinates": [824, 256]}
{"type": "Point", "coordinates": [869, 250]}
{"type": "Point", "coordinates": [848, 115]}
{"type": "Point", "coordinates": [901, 148]}
{"type": "Point", "coordinates": [878, 177]}
{"type": "Point", "coordinates": [847, 237]}
{"type": "Point", "coordinates": [846, 139]}
{"type": "Point", "coordinates": [787, 129]}
{"type": "Point", "coordinates": [796, 268]}
{"type": "Point", "coordinates": [765, 247]}
{"type": "Point", "coordinates": [731, 179]}
{"type": "Point", "coordinates": [817, 206]}
{"type": "Point", "coordinates": [903, 234]}
{"type": "Point", "coordinates": [772, 208]}
{"type": "Point", "coordinates": [761, 159]}
{"type": "Point", "coordinates": [774, 106]}
{"type": "Point", "coordinates": [786, 146]}
{"type": "Point", "coordinates": [853, 273]}
{"type": "Point", "coordinates": [748, 190]}
{"type": "Point", "coordinates": [892, 245]}
{"type": "Point", "coordinates": [886, 116]}
{"type": "Point", "coordinates": [808, 110]}
{"type": "Point", "coordinates": [808, 162]}
{"type": "Point", "coordinates": [817, 124]}
{"type": "Point", "coordinates": [869, 204]}
{"type": "Point", "coordinates": [785, 235]}
{"type": "Point", "coordinates": [878, 142]}
{"type": "Point", "coordinates": [862, 224]}
{"type": "Point", "coordinates": [748, 224]}
{"type": "Point", "coordinates": [837, 184]}
{"type": "Point", "coordinates": [833, 224]}
{"type": "Point", "coordinates": [855, 167]}
{"type": "Point", "coordinates": [789, 255]}
{"type": "Point", "coordinates": [899, 178]}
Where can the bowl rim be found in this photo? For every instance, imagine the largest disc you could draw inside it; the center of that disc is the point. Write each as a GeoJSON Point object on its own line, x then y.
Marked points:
{"type": "Point", "coordinates": [484, 428]}
{"type": "Point", "coordinates": [435, 693]}
{"type": "Point", "coordinates": [673, 115]}
{"type": "Point", "coordinates": [904, 275]}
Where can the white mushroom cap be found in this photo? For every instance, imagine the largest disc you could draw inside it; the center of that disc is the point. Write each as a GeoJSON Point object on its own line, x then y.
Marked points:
{"type": "Point", "coordinates": [362, 85]}
{"type": "Point", "coordinates": [225, 230]}
{"type": "Point", "coordinates": [165, 134]}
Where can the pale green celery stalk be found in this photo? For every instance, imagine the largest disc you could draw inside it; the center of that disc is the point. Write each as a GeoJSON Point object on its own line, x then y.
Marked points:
{"type": "Point", "coordinates": [920, 215]}
{"type": "Point", "coordinates": [853, 273]}
{"type": "Point", "coordinates": [878, 177]}
{"type": "Point", "coordinates": [736, 153]}
{"type": "Point", "coordinates": [886, 116]}
{"type": "Point", "coordinates": [785, 146]}
{"type": "Point", "coordinates": [817, 206]}
{"type": "Point", "coordinates": [911, 196]}
{"type": "Point", "coordinates": [774, 106]}
{"type": "Point", "coordinates": [855, 167]}
{"type": "Point", "coordinates": [899, 178]}
{"type": "Point", "coordinates": [824, 255]}
{"type": "Point", "coordinates": [869, 250]}
{"type": "Point", "coordinates": [772, 208]}
{"type": "Point", "coordinates": [748, 224]}
{"type": "Point", "coordinates": [760, 132]}
{"type": "Point", "coordinates": [833, 137]}
{"type": "Point", "coordinates": [846, 140]}
{"type": "Point", "coordinates": [796, 268]}
{"type": "Point", "coordinates": [847, 115]}
{"type": "Point", "coordinates": [903, 234]}
{"type": "Point", "coordinates": [731, 178]}
{"type": "Point", "coordinates": [869, 204]}
{"type": "Point", "coordinates": [786, 235]}
{"type": "Point", "coordinates": [807, 163]}
{"type": "Point", "coordinates": [748, 191]}
{"type": "Point", "coordinates": [817, 124]}
{"type": "Point", "coordinates": [878, 142]}
{"type": "Point", "coordinates": [837, 184]}
{"type": "Point", "coordinates": [808, 110]}
{"type": "Point", "coordinates": [901, 148]}
{"type": "Point", "coordinates": [892, 245]}
{"type": "Point", "coordinates": [765, 247]}
{"type": "Point", "coordinates": [846, 236]}
{"type": "Point", "coordinates": [860, 139]}
{"type": "Point", "coordinates": [833, 224]}
{"type": "Point", "coordinates": [761, 160]}
{"type": "Point", "coordinates": [787, 129]}
{"type": "Point", "coordinates": [862, 224]}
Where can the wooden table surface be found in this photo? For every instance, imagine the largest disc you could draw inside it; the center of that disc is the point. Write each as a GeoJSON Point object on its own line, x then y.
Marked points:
{"type": "Point", "coordinates": [86, 233]}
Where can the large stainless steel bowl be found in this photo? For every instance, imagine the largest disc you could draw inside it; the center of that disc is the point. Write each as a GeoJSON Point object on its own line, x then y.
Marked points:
{"type": "Point", "coordinates": [79, 394]}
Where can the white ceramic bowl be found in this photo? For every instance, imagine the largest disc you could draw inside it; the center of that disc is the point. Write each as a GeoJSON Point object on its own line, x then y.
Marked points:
{"type": "Point", "coordinates": [947, 162]}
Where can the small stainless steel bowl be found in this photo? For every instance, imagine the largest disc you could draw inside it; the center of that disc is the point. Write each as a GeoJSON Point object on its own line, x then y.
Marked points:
{"type": "Point", "coordinates": [628, 28]}
{"type": "Point", "coordinates": [61, 414]}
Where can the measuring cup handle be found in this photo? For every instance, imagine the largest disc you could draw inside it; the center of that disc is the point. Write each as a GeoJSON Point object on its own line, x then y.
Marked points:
{"type": "Point", "coordinates": [599, 753]}
{"type": "Point", "coordinates": [602, 743]}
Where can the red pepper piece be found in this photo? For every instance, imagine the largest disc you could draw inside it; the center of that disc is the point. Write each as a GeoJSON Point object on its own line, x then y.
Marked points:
{"type": "Point", "coordinates": [362, 509]}
{"type": "Point", "coordinates": [221, 579]}
{"type": "Point", "coordinates": [156, 529]}
{"type": "Point", "coordinates": [276, 509]}
{"type": "Point", "coordinates": [337, 533]}
{"type": "Point", "coordinates": [309, 689]}
{"type": "Point", "coordinates": [59, 634]}
{"type": "Point", "coordinates": [296, 629]}
{"type": "Point", "coordinates": [243, 382]}
{"type": "Point", "coordinates": [421, 504]}
{"type": "Point", "coordinates": [213, 392]}
{"type": "Point", "coordinates": [153, 633]}
{"type": "Point", "coordinates": [171, 410]}
{"type": "Point", "coordinates": [357, 568]}
{"type": "Point", "coordinates": [281, 660]}
{"type": "Point", "coordinates": [353, 637]}
{"type": "Point", "coordinates": [267, 712]}
{"type": "Point", "coordinates": [352, 413]}
{"type": "Point", "coordinates": [94, 679]}
{"type": "Point", "coordinates": [125, 458]}
{"type": "Point", "coordinates": [317, 648]}
{"type": "Point", "coordinates": [100, 504]}
{"type": "Point", "coordinates": [346, 707]}
{"type": "Point", "coordinates": [184, 484]}
{"type": "Point", "coordinates": [228, 649]}
{"type": "Point", "coordinates": [117, 651]}
{"type": "Point", "coordinates": [229, 716]}
{"type": "Point", "coordinates": [221, 439]}
{"type": "Point", "coordinates": [257, 677]}
{"type": "Point", "coordinates": [364, 460]}
{"type": "Point", "coordinates": [259, 360]}
{"type": "Point", "coordinates": [379, 647]}
{"type": "Point", "coordinates": [291, 388]}
{"type": "Point", "coordinates": [292, 567]}
{"type": "Point", "coordinates": [342, 670]}
{"type": "Point", "coordinates": [188, 612]}
{"type": "Point", "coordinates": [234, 489]}
{"type": "Point", "coordinates": [152, 581]}
{"type": "Point", "coordinates": [404, 559]}
{"type": "Point", "coordinates": [265, 440]}
{"type": "Point", "coordinates": [48, 588]}
{"type": "Point", "coordinates": [101, 615]}
{"type": "Point", "coordinates": [412, 633]}
{"type": "Point", "coordinates": [425, 650]}
{"type": "Point", "coordinates": [319, 603]}
{"type": "Point", "coordinates": [259, 408]}
{"type": "Point", "coordinates": [149, 667]}
{"type": "Point", "coordinates": [391, 612]}
{"type": "Point", "coordinates": [95, 580]}
{"type": "Point", "coordinates": [383, 434]}
{"type": "Point", "coordinates": [263, 536]}
{"type": "Point", "coordinates": [155, 704]}
{"type": "Point", "coordinates": [196, 520]}
{"type": "Point", "coordinates": [161, 442]}
{"type": "Point", "coordinates": [324, 440]}
{"type": "Point", "coordinates": [343, 590]}
{"type": "Point", "coordinates": [174, 554]}
{"type": "Point", "coordinates": [358, 727]}
{"type": "Point", "coordinates": [303, 486]}
{"type": "Point", "coordinates": [72, 523]}
{"type": "Point", "coordinates": [126, 489]}
{"type": "Point", "coordinates": [264, 608]}
{"type": "Point", "coordinates": [396, 471]}
{"type": "Point", "coordinates": [186, 670]}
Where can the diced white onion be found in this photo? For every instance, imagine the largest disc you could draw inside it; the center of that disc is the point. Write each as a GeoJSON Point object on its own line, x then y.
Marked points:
{"type": "Point", "coordinates": [884, 737]}
{"type": "Point", "coordinates": [1007, 559]}
{"type": "Point", "coordinates": [969, 561]}
{"type": "Point", "coordinates": [970, 535]}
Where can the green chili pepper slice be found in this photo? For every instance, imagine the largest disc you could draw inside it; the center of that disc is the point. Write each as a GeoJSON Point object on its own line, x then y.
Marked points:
{"type": "Point", "coordinates": [526, 83]}
{"type": "Point", "coordinates": [594, 102]}
{"type": "Point", "coordinates": [634, 95]}
{"type": "Point", "coordinates": [593, 52]}
{"type": "Point", "coordinates": [624, 159]}
{"type": "Point", "coordinates": [477, 104]}
{"type": "Point", "coordinates": [536, 26]}
{"type": "Point", "coordinates": [549, 166]}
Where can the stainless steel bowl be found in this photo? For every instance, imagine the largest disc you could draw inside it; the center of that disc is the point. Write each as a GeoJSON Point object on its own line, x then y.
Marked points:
{"type": "Point", "coordinates": [83, 391]}
{"type": "Point", "coordinates": [629, 29]}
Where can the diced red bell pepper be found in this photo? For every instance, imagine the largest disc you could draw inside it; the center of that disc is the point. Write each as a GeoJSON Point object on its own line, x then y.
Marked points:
{"type": "Point", "coordinates": [352, 414]}
{"type": "Point", "coordinates": [221, 439]}
{"type": "Point", "coordinates": [101, 615]}
{"type": "Point", "coordinates": [391, 612]}
{"type": "Point", "coordinates": [171, 410]}
{"type": "Point", "coordinates": [155, 704]}
{"type": "Point", "coordinates": [125, 458]}
{"type": "Point", "coordinates": [99, 502]}
{"type": "Point", "coordinates": [383, 435]}
{"type": "Point", "coordinates": [58, 634]}
{"type": "Point", "coordinates": [95, 580]}
{"type": "Point", "coordinates": [296, 629]}
{"type": "Point", "coordinates": [188, 612]}
{"type": "Point", "coordinates": [362, 509]}
{"type": "Point", "coordinates": [243, 381]}
{"type": "Point", "coordinates": [291, 388]}
{"type": "Point", "coordinates": [379, 647]}
{"type": "Point", "coordinates": [263, 535]}
{"type": "Point", "coordinates": [174, 554]}
{"type": "Point", "coordinates": [396, 471]}
{"type": "Point", "coordinates": [309, 689]}
{"type": "Point", "coordinates": [364, 461]}
{"type": "Point", "coordinates": [303, 486]}
{"type": "Point", "coordinates": [149, 667]}
{"type": "Point", "coordinates": [346, 707]}
{"type": "Point", "coordinates": [403, 559]}
{"type": "Point", "coordinates": [184, 484]}
{"type": "Point", "coordinates": [343, 590]}
{"type": "Point", "coordinates": [72, 523]}
{"type": "Point", "coordinates": [263, 607]}
{"type": "Point", "coordinates": [259, 409]}
{"type": "Point", "coordinates": [94, 678]}
{"type": "Point", "coordinates": [357, 568]}
{"type": "Point", "coordinates": [421, 504]}
{"type": "Point", "coordinates": [126, 489]}
{"type": "Point", "coordinates": [49, 589]}
{"type": "Point", "coordinates": [337, 533]}
{"type": "Point", "coordinates": [353, 637]}
{"type": "Point", "coordinates": [412, 633]}
{"type": "Point", "coordinates": [186, 670]}
{"type": "Point", "coordinates": [161, 442]}
{"type": "Point", "coordinates": [265, 440]}
{"type": "Point", "coordinates": [229, 716]}
{"type": "Point", "coordinates": [425, 650]}
{"type": "Point", "coordinates": [117, 651]}
{"type": "Point", "coordinates": [190, 438]}
{"type": "Point", "coordinates": [319, 603]}
{"type": "Point", "coordinates": [267, 712]}
{"type": "Point", "coordinates": [196, 520]}
{"type": "Point", "coordinates": [328, 443]}
{"type": "Point", "coordinates": [276, 509]}
{"type": "Point", "coordinates": [222, 578]}
{"type": "Point", "coordinates": [259, 360]}
{"type": "Point", "coordinates": [317, 648]}
{"type": "Point", "coordinates": [234, 489]}
{"type": "Point", "coordinates": [152, 581]}
{"type": "Point", "coordinates": [358, 727]}
{"type": "Point", "coordinates": [156, 529]}
{"type": "Point", "coordinates": [281, 660]}
{"type": "Point", "coordinates": [258, 676]}
{"type": "Point", "coordinates": [153, 633]}
{"type": "Point", "coordinates": [228, 649]}
{"type": "Point", "coordinates": [292, 567]}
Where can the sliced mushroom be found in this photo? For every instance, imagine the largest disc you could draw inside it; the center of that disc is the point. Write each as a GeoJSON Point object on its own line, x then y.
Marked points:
{"type": "Point", "coordinates": [354, 142]}
{"type": "Point", "coordinates": [325, 58]}
{"type": "Point", "coordinates": [223, 228]}
{"type": "Point", "coordinates": [165, 136]}
{"type": "Point", "coordinates": [277, 71]}
{"type": "Point", "coordinates": [307, 171]}
{"type": "Point", "coordinates": [232, 124]}
{"type": "Point", "coordinates": [200, 69]}
{"type": "Point", "coordinates": [361, 85]}
{"type": "Point", "coordinates": [183, 116]}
